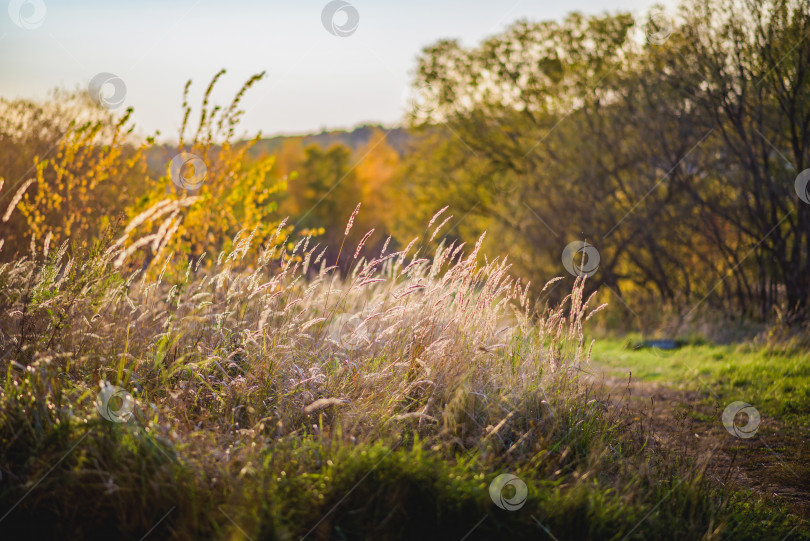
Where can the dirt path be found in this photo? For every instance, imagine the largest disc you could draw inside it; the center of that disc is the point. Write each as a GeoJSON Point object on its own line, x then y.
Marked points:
{"type": "Point", "coordinates": [774, 462]}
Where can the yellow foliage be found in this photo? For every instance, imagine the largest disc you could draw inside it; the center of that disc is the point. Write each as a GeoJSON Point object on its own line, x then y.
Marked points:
{"type": "Point", "coordinates": [237, 194]}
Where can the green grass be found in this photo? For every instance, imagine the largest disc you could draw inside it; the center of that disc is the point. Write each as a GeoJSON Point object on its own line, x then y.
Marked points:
{"type": "Point", "coordinates": [316, 489]}
{"type": "Point", "coordinates": [775, 380]}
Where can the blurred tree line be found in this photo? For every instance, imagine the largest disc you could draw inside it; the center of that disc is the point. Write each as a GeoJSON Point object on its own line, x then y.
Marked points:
{"type": "Point", "coordinates": [324, 186]}
{"type": "Point", "coordinates": [672, 145]}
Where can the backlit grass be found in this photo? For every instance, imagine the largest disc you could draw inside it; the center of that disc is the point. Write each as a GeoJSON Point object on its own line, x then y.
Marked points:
{"type": "Point", "coordinates": [275, 398]}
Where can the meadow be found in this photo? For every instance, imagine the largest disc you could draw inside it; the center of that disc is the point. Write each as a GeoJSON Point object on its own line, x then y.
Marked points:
{"type": "Point", "coordinates": [567, 298]}
{"type": "Point", "coordinates": [268, 396]}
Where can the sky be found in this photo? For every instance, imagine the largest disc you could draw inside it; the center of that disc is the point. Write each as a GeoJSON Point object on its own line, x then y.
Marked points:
{"type": "Point", "coordinates": [323, 72]}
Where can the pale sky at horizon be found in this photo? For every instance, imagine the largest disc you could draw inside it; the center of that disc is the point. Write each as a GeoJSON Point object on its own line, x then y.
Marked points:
{"type": "Point", "coordinates": [314, 79]}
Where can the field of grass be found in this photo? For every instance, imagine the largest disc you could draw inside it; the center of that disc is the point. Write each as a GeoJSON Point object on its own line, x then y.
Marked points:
{"type": "Point", "coordinates": [267, 396]}
{"type": "Point", "coordinates": [776, 379]}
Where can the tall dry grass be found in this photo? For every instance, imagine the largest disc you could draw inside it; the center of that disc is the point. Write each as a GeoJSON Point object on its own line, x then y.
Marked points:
{"type": "Point", "coordinates": [269, 346]}
{"type": "Point", "coordinates": [273, 341]}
